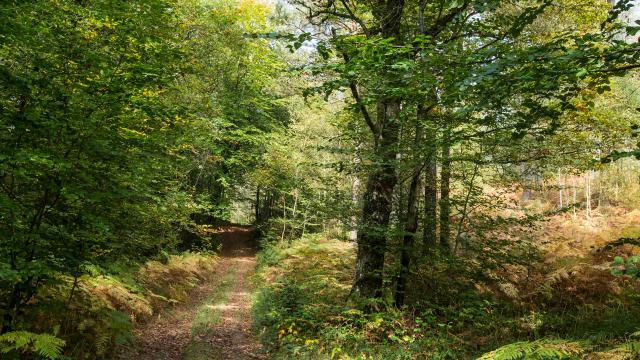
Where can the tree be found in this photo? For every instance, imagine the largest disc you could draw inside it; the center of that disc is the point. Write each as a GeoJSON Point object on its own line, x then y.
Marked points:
{"type": "Point", "coordinates": [83, 141]}
{"type": "Point", "coordinates": [489, 73]}
{"type": "Point", "coordinates": [122, 122]}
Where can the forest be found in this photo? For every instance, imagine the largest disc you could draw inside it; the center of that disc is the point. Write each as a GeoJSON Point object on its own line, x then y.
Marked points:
{"type": "Point", "coordinates": [319, 179]}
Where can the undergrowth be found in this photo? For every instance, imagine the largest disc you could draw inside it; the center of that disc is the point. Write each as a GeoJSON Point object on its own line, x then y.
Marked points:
{"type": "Point", "coordinates": [302, 310]}
{"type": "Point", "coordinates": [94, 314]}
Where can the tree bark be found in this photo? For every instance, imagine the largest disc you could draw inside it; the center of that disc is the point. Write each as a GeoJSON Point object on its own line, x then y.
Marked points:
{"type": "Point", "coordinates": [378, 195]}
{"type": "Point", "coordinates": [429, 236]}
{"type": "Point", "coordinates": [560, 187]}
{"type": "Point", "coordinates": [293, 213]}
{"type": "Point", "coordinates": [408, 239]}
{"type": "Point", "coordinates": [376, 207]}
{"type": "Point", "coordinates": [587, 190]}
{"type": "Point", "coordinates": [411, 224]}
{"type": "Point", "coordinates": [445, 204]}
{"type": "Point", "coordinates": [257, 205]}
{"type": "Point", "coordinates": [284, 217]}
{"type": "Point", "coordinates": [574, 198]}
{"type": "Point", "coordinates": [465, 208]}
{"type": "Point", "coordinates": [355, 187]}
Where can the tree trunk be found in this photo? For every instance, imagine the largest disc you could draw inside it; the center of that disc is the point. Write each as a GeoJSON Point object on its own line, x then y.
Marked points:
{"type": "Point", "coordinates": [429, 237]}
{"type": "Point", "coordinates": [407, 241]}
{"type": "Point", "coordinates": [445, 205]}
{"type": "Point", "coordinates": [587, 193]}
{"type": "Point", "coordinates": [355, 187]}
{"type": "Point", "coordinates": [526, 183]}
{"type": "Point", "coordinates": [293, 213]}
{"type": "Point", "coordinates": [378, 195]}
{"type": "Point", "coordinates": [574, 197]}
{"type": "Point", "coordinates": [411, 225]}
{"type": "Point", "coordinates": [465, 207]}
{"type": "Point", "coordinates": [304, 223]}
{"type": "Point", "coordinates": [560, 187]}
{"type": "Point", "coordinates": [257, 205]}
{"type": "Point", "coordinates": [284, 217]}
{"type": "Point", "coordinates": [376, 207]}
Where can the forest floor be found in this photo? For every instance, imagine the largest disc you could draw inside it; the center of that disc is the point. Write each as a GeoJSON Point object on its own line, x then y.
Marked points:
{"type": "Point", "coordinates": [214, 323]}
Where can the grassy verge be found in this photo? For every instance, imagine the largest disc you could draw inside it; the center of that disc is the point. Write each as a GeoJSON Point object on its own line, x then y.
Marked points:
{"type": "Point", "coordinates": [201, 351]}
{"type": "Point", "coordinates": [209, 313]}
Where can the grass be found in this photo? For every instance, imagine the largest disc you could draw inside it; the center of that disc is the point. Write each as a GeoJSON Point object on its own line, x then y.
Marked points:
{"type": "Point", "coordinates": [201, 351]}
{"type": "Point", "coordinates": [208, 315]}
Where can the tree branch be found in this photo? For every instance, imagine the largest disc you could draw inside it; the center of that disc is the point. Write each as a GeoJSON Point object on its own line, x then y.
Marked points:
{"type": "Point", "coordinates": [442, 21]}
{"type": "Point", "coordinates": [355, 18]}
{"type": "Point", "coordinates": [356, 96]}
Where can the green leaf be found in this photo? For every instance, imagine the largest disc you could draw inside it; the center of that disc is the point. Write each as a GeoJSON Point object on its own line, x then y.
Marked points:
{"type": "Point", "coordinates": [582, 73]}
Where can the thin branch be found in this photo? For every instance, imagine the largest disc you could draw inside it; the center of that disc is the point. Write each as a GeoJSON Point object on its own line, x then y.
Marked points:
{"type": "Point", "coordinates": [356, 96]}
{"type": "Point", "coordinates": [441, 22]}
{"type": "Point", "coordinates": [355, 18]}
{"type": "Point", "coordinates": [622, 68]}
{"type": "Point", "coordinates": [363, 108]}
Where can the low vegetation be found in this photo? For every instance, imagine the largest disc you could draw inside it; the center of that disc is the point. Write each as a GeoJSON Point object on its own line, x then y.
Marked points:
{"type": "Point", "coordinates": [106, 305]}
{"type": "Point", "coordinates": [563, 308]}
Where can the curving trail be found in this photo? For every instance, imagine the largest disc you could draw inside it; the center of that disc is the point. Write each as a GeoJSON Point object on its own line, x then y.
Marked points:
{"type": "Point", "coordinates": [215, 323]}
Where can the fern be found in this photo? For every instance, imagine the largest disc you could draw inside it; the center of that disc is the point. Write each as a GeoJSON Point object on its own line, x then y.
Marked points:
{"type": "Point", "coordinates": [102, 343]}
{"type": "Point", "coordinates": [535, 350]}
{"type": "Point", "coordinates": [629, 267]}
{"type": "Point", "coordinates": [45, 345]}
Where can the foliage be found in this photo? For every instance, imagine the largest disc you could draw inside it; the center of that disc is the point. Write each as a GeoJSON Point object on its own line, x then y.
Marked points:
{"type": "Point", "coordinates": [45, 345]}
{"type": "Point", "coordinates": [129, 128]}
{"type": "Point", "coordinates": [232, 99]}
{"type": "Point", "coordinates": [497, 80]}
{"type": "Point", "coordinates": [123, 125]}
{"type": "Point", "coordinates": [299, 183]}
{"type": "Point", "coordinates": [302, 309]}
{"type": "Point", "coordinates": [628, 267]}
{"type": "Point", "coordinates": [536, 350]}
{"type": "Point", "coordinates": [109, 302]}
{"type": "Point", "coordinates": [85, 167]}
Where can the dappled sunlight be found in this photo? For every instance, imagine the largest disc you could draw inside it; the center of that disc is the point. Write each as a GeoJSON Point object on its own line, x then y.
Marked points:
{"type": "Point", "coordinates": [222, 307]}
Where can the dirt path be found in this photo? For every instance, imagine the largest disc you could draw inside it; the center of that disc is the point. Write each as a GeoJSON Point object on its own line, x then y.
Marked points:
{"type": "Point", "coordinates": [215, 323]}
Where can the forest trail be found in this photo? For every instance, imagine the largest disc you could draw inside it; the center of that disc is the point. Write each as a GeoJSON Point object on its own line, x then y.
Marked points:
{"type": "Point", "coordinates": [215, 322]}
